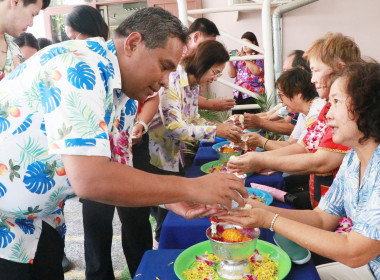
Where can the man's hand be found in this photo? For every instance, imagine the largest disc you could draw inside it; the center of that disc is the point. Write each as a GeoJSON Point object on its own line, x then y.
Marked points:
{"type": "Point", "coordinates": [251, 121]}
{"type": "Point", "coordinates": [190, 210]}
{"type": "Point", "coordinates": [228, 131]}
{"type": "Point", "coordinates": [217, 188]}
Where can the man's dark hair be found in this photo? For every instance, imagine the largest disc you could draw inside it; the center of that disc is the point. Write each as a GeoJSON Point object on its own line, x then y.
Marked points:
{"type": "Point", "coordinates": [294, 81]}
{"type": "Point", "coordinates": [88, 21]}
{"type": "Point", "coordinates": [205, 26]}
{"type": "Point", "coordinates": [155, 25]}
{"type": "Point", "coordinates": [45, 3]}
{"type": "Point", "coordinates": [299, 61]}
{"type": "Point", "coordinates": [363, 88]}
{"type": "Point", "coordinates": [44, 42]}
{"type": "Point", "coordinates": [27, 39]}
{"type": "Point", "coordinates": [202, 58]}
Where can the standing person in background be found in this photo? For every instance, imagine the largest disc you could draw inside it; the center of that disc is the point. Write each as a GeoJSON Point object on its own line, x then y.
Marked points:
{"type": "Point", "coordinates": [15, 18]}
{"type": "Point", "coordinates": [84, 22]}
{"type": "Point", "coordinates": [203, 29]}
{"type": "Point", "coordinates": [248, 74]}
{"type": "Point", "coordinates": [28, 45]}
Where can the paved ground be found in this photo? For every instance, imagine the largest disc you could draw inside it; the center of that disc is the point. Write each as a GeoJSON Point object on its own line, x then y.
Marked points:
{"type": "Point", "coordinates": [74, 243]}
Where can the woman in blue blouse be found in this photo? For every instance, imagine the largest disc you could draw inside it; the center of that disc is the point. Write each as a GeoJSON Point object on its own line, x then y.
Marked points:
{"type": "Point", "coordinates": [355, 192]}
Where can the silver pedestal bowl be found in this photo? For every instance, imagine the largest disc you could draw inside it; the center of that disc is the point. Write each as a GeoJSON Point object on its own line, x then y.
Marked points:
{"type": "Point", "coordinates": [234, 257]}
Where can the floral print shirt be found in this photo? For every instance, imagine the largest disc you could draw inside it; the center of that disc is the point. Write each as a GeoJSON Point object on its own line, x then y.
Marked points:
{"type": "Point", "coordinates": [246, 79]}
{"type": "Point", "coordinates": [66, 99]}
{"type": "Point", "coordinates": [360, 203]}
{"type": "Point", "coordinates": [319, 136]}
{"type": "Point", "coordinates": [14, 57]}
{"type": "Point", "coordinates": [177, 120]}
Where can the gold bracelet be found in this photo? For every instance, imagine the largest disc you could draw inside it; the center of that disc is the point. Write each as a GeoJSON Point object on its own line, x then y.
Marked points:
{"type": "Point", "coordinates": [273, 221]}
{"type": "Point", "coordinates": [265, 143]}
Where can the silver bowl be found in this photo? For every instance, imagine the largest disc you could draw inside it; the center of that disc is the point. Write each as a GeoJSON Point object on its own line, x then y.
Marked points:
{"type": "Point", "coordinates": [234, 262]}
{"type": "Point", "coordinates": [225, 156]}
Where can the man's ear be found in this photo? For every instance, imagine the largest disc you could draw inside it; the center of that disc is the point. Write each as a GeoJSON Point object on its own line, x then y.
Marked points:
{"type": "Point", "coordinates": [196, 36]}
{"type": "Point", "coordinates": [132, 42]}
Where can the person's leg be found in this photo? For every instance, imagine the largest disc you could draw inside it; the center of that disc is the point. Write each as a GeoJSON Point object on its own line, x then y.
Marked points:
{"type": "Point", "coordinates": [136, 234]}
{"type": "Point", "coordinates": [336, 270]}
{"type": "Point", "coordinates": [97, 226]}
{"type": "Point", "coordinates": [47, 263]}
{"type": "Point", "coordinates": [161, 215]}
{"type": "Point", "coordinates": [14, 271]}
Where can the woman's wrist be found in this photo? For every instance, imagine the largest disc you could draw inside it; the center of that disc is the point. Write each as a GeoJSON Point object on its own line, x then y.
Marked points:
{"type": "Point", "coordinates": [143, 124]}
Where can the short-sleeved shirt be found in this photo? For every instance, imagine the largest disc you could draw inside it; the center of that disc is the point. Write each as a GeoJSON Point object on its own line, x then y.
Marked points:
{"type": "Point", "coordinates": [246, 79]}
{"type": "Point", "coordinates": [65, 100]}
{"type": "Point", "coordinates": [177, 120]}
{"type": "Point", "coordinates": [319, 137]}
{"type": "Point", "coordinates": [346, 198]}
{"type": "Point", "coordinates": [304, 122]}
{"type": "Point", "coordinates": [14, 57]}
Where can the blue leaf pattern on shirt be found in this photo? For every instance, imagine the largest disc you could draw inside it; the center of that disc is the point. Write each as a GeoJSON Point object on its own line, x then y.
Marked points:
{"type": "Point", "coordinates": [102, 136]}
{"type": "Point", "coordinates": [111, 47]}
{"type": "Point", "coordinates": [107, 115]}
{"type": "Point", "coordinates": [131, 107]}
{"type": "Point", "coordinates": [24, 126]}
{"type": "Point", "coordinates": [16, 72]}
{"type": "Point", "coordinates": [79, 142]}
{"type": "Point", "coordinates": [81, 76]}
{"type": "Point", "coordinates": [53, 52]}
{"type": "Point", "coordinates": [106, 71]}
{"type": "Point", "coordinates": [26, 225]}
{"type": "Point", "coordinates": [43, 127]}
{"type": "Point", "coordinates": [3, 190]}
{"type": "Point", "coordinates": [96, 47]}
{"type": "Point", "coordinates": [122, 121]}
{"type": "Point", "coordinates": [37, 178]}
{"type": "Point", "coordinates": [4, 124]}
{"type": "Point", "coordinates": [6, 237]}
{"type": "Point", "coordinates": [50, 97]}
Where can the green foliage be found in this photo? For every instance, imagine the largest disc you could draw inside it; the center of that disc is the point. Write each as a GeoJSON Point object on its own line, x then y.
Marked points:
{"type": "Point", "coordinates": [266, 103]}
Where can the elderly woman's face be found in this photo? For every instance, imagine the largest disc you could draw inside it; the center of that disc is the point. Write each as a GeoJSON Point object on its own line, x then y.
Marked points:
{"type": "Point", "coordinates": [212, 74]}
{"type": "Point", "coordinates": [340, 119]}
{"type": "Point", "coordinates": [320, 77]}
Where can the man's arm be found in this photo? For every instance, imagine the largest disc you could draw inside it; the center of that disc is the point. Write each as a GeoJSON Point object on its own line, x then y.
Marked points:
{"type": "Point", "coordinates": [251, 121]}
{"type": "Point", "coordinates": [215, 104]}
{"type": "Point", "coordinates": [97, 178]}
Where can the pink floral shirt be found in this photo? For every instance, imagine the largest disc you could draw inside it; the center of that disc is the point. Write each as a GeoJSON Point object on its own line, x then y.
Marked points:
{"type": "Point", "coordinates": [246, 79]}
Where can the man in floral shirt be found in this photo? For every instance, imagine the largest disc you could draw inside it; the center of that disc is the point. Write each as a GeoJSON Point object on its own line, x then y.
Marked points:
{"type": "Point", "coordinates": [57, 111]}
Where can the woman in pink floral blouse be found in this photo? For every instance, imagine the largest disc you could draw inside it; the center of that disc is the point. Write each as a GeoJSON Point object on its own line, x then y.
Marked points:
{"type": "Point", "coordinates": [248, 74]}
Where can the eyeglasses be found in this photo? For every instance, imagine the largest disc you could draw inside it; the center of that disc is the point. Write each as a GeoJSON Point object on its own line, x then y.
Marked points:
{"type": "Point", "coordinates": [216, 73]}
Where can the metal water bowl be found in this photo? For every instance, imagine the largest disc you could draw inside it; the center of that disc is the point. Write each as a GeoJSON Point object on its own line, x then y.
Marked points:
{"type": "Point", "coordinates": [234, 257]}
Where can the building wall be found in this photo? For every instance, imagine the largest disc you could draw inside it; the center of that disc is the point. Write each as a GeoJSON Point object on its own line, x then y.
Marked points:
{"type": "Point", "coordinates": [358, 19]}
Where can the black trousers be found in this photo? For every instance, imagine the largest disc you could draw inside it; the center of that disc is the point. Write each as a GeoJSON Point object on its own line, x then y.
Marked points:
{"type": "Point", "coordinates": [47, 263]}
{"type": "Point", "coordinates": [136, 231]}
{"type": "Point", "coordinates": [136, 237]}
{"type": "Point", "coordinates": [157, 212]}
